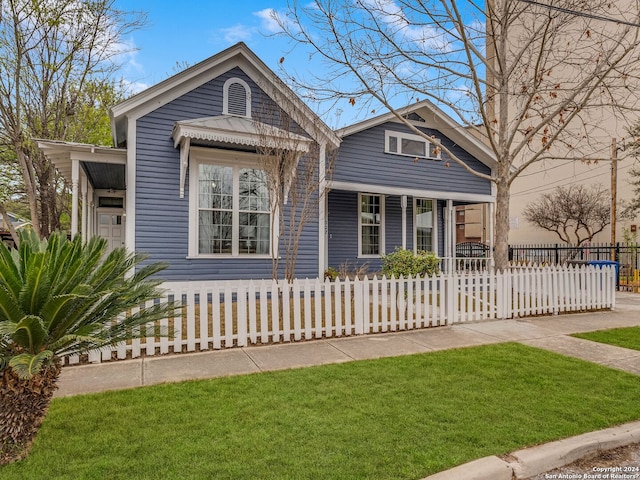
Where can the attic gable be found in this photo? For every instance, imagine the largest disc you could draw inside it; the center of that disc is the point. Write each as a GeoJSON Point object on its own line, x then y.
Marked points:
{"type": "Point", "coordinates": [238, 55]}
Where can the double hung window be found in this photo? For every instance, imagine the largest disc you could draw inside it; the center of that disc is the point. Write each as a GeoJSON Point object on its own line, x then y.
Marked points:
{"type": "Point", "coordinates": [370, 224]}
{"type": "Point", "coordinates": [424, 216]}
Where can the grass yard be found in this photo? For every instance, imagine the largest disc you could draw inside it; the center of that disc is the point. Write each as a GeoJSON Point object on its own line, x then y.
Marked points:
{"type": "Point", "coordinates": [620, 337]}
{"type": "Point", "coordinates": [394, 418]}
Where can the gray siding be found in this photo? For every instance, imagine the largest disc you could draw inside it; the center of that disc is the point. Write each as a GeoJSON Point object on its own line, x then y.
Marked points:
{"type": "Point", "coordinates": [162, 217]}
{"type": "Point", "coordinates": [361, 159]}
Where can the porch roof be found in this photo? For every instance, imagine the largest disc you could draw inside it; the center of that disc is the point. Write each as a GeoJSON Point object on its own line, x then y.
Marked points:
{"type": "Point", "coordinates": [411, 192]}
{"type": "Point", "coordinates": [104, 166]}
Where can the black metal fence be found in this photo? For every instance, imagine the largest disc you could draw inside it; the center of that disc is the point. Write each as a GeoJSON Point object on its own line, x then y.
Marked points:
{"type": "Point", "coordinates": [626, 254]}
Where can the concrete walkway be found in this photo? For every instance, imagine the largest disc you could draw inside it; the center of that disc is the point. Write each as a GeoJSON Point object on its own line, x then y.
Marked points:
{"type": "Point", "coordinates": [549, 332]}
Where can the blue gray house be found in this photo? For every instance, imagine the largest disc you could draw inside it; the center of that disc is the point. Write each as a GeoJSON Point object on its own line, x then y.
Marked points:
{"type": "Point", "coordinates": [185, 181]}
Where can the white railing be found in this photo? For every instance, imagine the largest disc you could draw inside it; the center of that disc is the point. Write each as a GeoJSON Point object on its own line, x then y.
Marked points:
{"type": "Point", "coordinates": [218, 315]}
{"type": "Point", "coordinates": [465, 264]}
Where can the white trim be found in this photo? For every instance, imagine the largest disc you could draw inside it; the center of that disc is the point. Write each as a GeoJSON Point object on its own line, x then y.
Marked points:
{"type": "Point", "coordinates": [412, 192]}
{"type": "Point", "coordinates": [434, 224]}
{"type": "Point", "coordinates": [236, 160]}
{"type": "Point", "coordinates": [75, 182]}
{"type": "Point", "coordinates": [130, 185]}
{"type": "Point", "coordinates": [382, 222]}
{"type": "Point", "coordinates": [247, 96]}
{"type": "Point", "coordinates": [184, 162]}
{"type": "Point", "coordinates": [322, 211]}
{"type": "Point", "coordinates": [414, 138]}
{"type": "Point", "coordinates": [403, 209]}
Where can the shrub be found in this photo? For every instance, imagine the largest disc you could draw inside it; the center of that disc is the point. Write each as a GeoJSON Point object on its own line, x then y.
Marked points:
{"type": "Point", "coordinates": [406, 263]}
{"type": "Point", "coordinates": [331, 274]}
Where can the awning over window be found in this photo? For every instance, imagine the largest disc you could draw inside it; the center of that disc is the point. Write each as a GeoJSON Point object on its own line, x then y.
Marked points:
{"type": "Point", "coordinates": [233, 130]}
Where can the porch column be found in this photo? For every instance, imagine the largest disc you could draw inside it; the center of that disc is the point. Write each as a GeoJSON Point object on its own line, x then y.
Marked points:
{"type": "Point", "coordinates": [322, 212]}
{"type": "Point", "coordinates": [75, 183]}
{"type": "Point", "coordinates": [83, 189]}
{"type": "Point", "coordinates": [490, 213]}
{"type": "Point", "coordinates": [403, 204]}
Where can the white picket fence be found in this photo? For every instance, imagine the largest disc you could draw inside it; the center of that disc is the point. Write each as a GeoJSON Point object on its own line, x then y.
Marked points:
{"type": "Point", "coordinates": [217, 315]}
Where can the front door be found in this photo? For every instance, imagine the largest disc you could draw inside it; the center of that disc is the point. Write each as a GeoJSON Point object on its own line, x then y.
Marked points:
{"type": "Point", "coordinates": [111, 227]}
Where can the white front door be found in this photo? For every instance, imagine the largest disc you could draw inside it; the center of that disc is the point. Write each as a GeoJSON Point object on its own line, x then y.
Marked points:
{"type": "Point", "coordinates": [111, 226]}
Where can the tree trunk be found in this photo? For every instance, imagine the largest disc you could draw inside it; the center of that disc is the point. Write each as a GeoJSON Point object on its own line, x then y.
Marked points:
{"type": "Point", "coordinates": [501, 256]}
{"type": "Point", "coordinates": [24, 406]}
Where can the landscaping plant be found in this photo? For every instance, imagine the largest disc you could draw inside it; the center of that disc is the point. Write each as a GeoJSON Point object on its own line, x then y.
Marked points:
{"type": "Point", "coordinates": [58, 298]}
{"type": "Point", "coordinates": [405, 263]}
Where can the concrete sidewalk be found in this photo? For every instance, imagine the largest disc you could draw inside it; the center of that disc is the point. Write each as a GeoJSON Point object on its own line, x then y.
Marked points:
{"type": "Point", "coordinates": [548, 332]}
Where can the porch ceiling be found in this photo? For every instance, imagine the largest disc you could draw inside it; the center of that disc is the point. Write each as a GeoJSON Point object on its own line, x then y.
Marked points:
{"type": "Point", "coordinates": [105, 175]}
{"type": "Point", "coordinates": [104, 166]}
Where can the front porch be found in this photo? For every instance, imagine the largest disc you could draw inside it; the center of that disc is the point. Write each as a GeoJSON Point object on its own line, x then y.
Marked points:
{"type": "Point", "coordinates": [97, 176]}
{"type": "Point", "coordinates": [365, 222]}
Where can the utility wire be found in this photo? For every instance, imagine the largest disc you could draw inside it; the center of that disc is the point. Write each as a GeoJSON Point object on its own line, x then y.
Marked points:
{"type": "Point", "coordinates": [581, 14]}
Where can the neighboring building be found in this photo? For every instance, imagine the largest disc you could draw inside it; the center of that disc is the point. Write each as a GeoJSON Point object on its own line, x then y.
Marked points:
{"type": "Point", "coordinates": [17, 222]}
{"type": "Point", "coordinates": [185, 183]}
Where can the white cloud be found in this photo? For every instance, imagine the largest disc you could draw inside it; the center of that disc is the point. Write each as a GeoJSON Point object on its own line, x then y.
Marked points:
{"type": "Point", "coordinates": [268, 20]}
{"type": "Point", "coordinates": [238, 33]}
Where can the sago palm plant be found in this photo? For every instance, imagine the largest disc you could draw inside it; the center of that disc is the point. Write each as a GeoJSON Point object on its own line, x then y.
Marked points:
{"type": "Point", "coordinates": [57, 298]}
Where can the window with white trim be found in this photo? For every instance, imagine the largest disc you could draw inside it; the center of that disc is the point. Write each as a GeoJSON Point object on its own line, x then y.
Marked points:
{"type": "Point", "coordinates": [424, 221]}
{"type": "Point", "coordinates": [409, 145]}
{"type": "Point", "coordinates": [236, 98]}
{"type": "Point", "coordinates": [370, 225]}
{"type": "Point", "coordinates": [231, 212]}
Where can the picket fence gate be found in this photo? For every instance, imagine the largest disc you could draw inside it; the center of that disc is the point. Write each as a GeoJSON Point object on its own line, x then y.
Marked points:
{"type": "Point", "coordinates": [215, 315]}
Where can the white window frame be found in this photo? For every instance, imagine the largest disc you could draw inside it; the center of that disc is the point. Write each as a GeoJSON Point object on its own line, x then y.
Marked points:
{"type": "Point", "coordinates": [225, 96]}
{"type": "Point", "coordinates": [225, 158]}
{"type": "Point", "coordinates": [416, 138]}
{"type": "Point", "coordinates": [382, 229]}
{"type": "Point", "coordinates": [434, 226]}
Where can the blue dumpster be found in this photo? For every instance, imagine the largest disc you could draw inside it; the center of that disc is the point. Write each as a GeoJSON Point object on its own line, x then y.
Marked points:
{"type": "Point", "coordinates": [608, 263]}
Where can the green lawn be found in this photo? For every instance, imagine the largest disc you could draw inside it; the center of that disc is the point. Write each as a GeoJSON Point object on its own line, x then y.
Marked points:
{"type": "Point", "coordinates": [621, 337]}
{"type": "Point", "coordinates": [394, 418]}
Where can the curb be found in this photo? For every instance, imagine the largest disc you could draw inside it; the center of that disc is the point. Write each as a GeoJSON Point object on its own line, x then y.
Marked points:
{"type": "Point", "coordinates": [542, 458]}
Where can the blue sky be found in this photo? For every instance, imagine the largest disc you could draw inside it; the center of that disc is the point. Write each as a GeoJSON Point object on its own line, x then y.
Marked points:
{"type": "Point", "coordinates": [193, 30]}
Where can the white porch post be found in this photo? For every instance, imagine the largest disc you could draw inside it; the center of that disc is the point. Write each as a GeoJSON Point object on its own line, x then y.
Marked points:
{"type": "Point", "coordinates": [83, 190]}
{"type": "Point", "coordinates": [75, 183]}
{"type": "Point", "coordinates": [322, 212]}
{"type": "Point", "coordinates": [403, 204]}
{"type": "Point", "coordinates": [490, 209]}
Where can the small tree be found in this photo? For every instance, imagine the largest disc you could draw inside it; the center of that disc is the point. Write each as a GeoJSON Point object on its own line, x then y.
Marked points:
{"type": "Point", "coordinates": [575, 213]}
{"type": "Point", "coordinates": [295, 168]}
{"type": "Point", "coordinates": [57, 298]}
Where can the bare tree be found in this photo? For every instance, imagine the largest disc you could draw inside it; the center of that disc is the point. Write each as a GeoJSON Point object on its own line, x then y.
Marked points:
{"type": "Point", "coordinates": [291, 161]}
{"type": "Point", "coordinates": [49, 51]}
{"type": "Point", "coordinates": [535, 77]}
{"type": "Point", "coordinates": [575, 213]}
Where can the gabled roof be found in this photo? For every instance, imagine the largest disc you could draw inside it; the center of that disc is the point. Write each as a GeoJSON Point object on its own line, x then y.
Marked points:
{"type": "Point", "coordinates": [436, 119]}
{"type": "Point", "coordinates": [238, 55]}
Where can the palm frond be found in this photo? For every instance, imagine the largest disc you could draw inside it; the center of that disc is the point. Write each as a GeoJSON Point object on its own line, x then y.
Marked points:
{"type": "Point", "coordinates": [26, 365]}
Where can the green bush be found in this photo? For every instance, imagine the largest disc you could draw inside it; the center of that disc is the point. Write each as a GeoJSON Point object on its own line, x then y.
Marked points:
{"type": "Point", "coordinates": [406, 263]}
{"type": "Point", "coordinates": [331, 274]}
